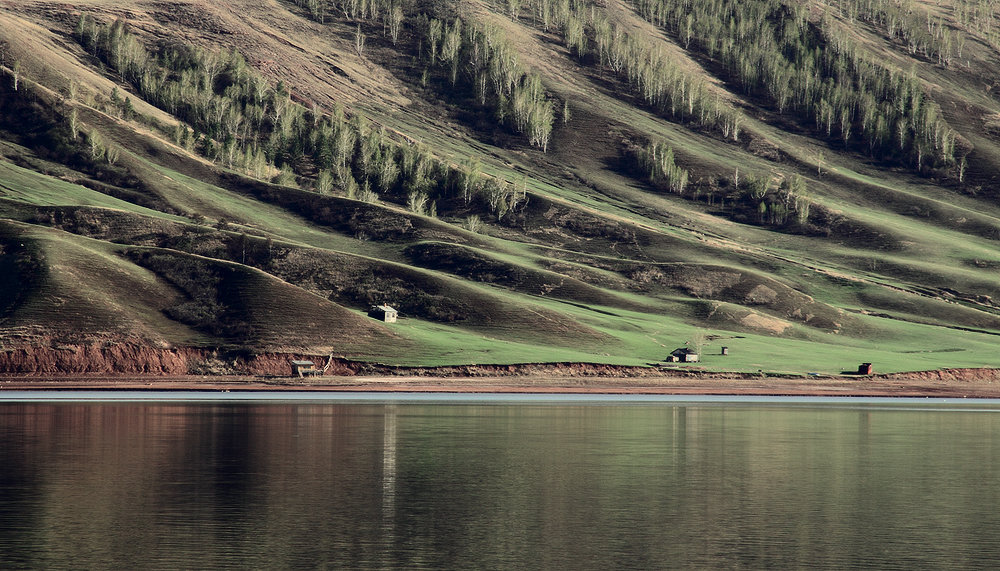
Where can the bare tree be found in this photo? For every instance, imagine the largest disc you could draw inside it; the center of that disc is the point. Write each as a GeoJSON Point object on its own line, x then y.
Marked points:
{"type": "Point", "coordinates": [111, 154]}
{"type": "Point", "coordinates": [74, 124]}
{"type": "Point", "coordinates": [96, 145]}
{"type": "Point", "coordinates": [359, 41]}
{"type": "Point", "coordinates": [395, 23]}
{"type": "Point", "coordinates": [16, 70]}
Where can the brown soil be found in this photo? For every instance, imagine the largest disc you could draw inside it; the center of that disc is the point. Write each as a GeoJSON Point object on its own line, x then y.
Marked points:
{"type": "Point", "coordinates": [131, 367]}
{"type": "Point", "coordinates": [542, 384]}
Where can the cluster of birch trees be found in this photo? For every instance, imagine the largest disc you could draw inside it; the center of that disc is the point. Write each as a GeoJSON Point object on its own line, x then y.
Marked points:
{"type": "Point", "coordinates": [916, 29]}
{"type": "Point", "coordinates": [980, 17]}
{"type": "Point", "coordinates": [657, 159]}
{"type": "Point", "coordinates": [240, 120]}
{"type": "Point", "coordinates": [764, 199]}
{"type": "Point", "coordinates": [324, 10]}
{"type": "Point", "coordinates": [474, 55]}
{"type": "Point", "coordinates": [661, 82]}
{"type": "Point", "coordinates": [780, 205]}
{"type": "Point", "coordinates": [480, 57]}
{"type": "Point", "coordinates": [649, 72]}
{"type": "Point", "coordinates": [771, 49]}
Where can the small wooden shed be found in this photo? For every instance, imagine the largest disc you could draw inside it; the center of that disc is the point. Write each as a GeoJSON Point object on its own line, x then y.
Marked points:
{"type": "Point", "coordinates": [304, 368]}
{"type": "Point", "coordinates": [865, 369]}
{"type": "Point", "coordinates": [384, 313]}
{"type": "Point", "coordinates": [683, 355]}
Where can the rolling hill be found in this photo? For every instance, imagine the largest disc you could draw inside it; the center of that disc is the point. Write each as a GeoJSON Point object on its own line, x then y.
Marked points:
{"type": "Point", "coordinates": [812, 184]}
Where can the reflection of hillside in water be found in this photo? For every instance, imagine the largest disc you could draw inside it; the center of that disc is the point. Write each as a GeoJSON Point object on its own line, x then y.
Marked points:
{"type": "Point", "coordinates": [456, 485]}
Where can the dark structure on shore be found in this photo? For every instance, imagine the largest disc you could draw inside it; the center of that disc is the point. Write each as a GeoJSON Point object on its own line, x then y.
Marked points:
{"type": "Point", "coordinates": [683, 355]}
{"type": "Point", "coordinates": [865, 369]}
{"type": "Point", "coordinates": [304, 368]}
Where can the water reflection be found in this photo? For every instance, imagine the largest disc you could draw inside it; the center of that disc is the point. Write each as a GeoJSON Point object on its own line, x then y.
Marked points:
{"type": "Point", "coordinates": [389, 477]}
{"type": "Point", "coordinates": [420, 485]}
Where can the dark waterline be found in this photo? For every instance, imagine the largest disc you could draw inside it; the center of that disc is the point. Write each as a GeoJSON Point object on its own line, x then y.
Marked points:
{"type": "Point", "coordinates": [437, 481]}
{"type": "Point", "coordinates": [479, 398]}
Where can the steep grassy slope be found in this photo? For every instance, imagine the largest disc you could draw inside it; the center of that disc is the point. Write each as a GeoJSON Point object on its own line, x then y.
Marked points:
{"type": "Point", "coordinates": [255, 175]}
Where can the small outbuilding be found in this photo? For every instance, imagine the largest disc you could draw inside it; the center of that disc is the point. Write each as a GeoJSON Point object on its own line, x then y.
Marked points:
{"type": "Point", "coordinates": [865, 369]}
{"type": "Point", "coordinates": [384, 313]}
{"type": "Point", "coordinates": [304, 368]}
{"type": "Point", "coordinates": [683, 355]}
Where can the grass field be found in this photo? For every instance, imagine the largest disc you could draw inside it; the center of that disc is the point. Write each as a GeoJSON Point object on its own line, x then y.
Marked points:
{"type": "Point", "coordinates": [895, 265]}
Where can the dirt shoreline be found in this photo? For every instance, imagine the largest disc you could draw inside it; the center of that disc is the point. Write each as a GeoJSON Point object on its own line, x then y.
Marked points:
{"type": "Point", "coordinates": [947, 383]}
{"type": "Point", "coordinates": [132, 366]}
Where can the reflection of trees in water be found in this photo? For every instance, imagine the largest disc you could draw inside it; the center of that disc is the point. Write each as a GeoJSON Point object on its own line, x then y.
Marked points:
{"type": "Point", "coordinates": [500, 486]}
{"type": "Point", "coordinates": [389, 480]}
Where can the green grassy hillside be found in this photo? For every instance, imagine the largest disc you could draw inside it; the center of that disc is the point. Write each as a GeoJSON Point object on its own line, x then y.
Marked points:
{"type": "Point", "coordinates": [812, 184]}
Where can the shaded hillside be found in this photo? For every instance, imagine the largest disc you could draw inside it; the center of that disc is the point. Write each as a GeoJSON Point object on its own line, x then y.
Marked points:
{"type": "Point", "coordinates": [808, 183]}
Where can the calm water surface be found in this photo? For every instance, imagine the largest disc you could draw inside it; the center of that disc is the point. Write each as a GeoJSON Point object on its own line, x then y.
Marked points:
{"type": "Point", "coordinates": [498, 483]}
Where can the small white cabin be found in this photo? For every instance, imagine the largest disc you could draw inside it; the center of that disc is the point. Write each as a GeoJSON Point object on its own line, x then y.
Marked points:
{"type": "Point", "coordinates": [384, 313]}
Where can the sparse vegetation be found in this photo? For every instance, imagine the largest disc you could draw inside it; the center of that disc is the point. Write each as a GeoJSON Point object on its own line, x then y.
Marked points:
{"type": "Point", "coordinates": [247, 124]}
{"type": "Point", "coordinates": [649, 72]}
{"type": "Point", "coordinates": [491, 66]}
{"type": "Point", "coordinates": [657, 159]}
{"type": "Point", "coordinates": [816, 70]}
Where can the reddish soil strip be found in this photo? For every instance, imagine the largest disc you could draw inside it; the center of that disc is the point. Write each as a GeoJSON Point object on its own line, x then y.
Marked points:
{"type": "Point", "coordinates": [931, 384]}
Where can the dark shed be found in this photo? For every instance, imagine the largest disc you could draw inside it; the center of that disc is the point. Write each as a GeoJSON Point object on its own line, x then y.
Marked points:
{"type": "Point", "coordinates": [304, 368]}
{"type": "Point", "coordinates": [683, 355]}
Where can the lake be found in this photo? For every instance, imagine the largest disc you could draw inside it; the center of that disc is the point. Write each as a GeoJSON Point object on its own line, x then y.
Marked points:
{"type": "Point", "coordinates": [226, 480]}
